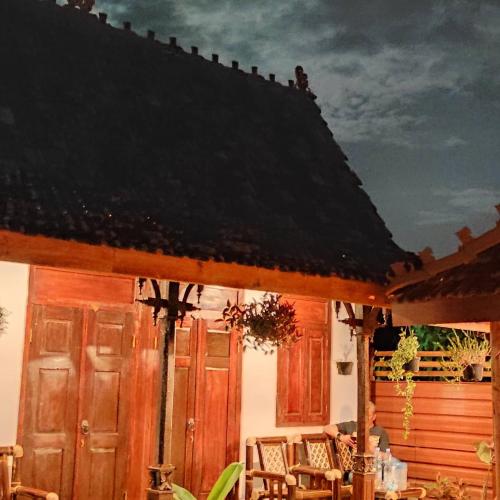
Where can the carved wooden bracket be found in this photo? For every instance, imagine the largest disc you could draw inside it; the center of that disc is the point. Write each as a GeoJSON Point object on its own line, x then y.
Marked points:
{"type": "Point", "coordinates": [364, 463]}
{"type": "Point", "coordinates": [161, 477]}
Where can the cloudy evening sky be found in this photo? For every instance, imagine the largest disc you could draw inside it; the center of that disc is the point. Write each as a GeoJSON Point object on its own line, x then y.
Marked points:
{"type": "Point", "coordinates": [410, 89]}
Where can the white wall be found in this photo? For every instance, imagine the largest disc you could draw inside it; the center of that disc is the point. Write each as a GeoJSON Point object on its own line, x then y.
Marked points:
{"type": "Point", "coordinates": [13, 298]}
{"type": "Point", "coordinates": [258, 391]}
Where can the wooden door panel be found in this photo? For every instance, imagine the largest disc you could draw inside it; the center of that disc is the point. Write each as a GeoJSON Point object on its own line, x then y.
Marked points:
{"type": "Point", "coordinates": [318, 375]}
{"type": "Point", "coordinates": [290, 384]}
{"type": "Point", "coordinates": [51, 400]}
{"type": "Point", "coordinates": [212, 454]}
{"type": "Point", "coordinates": [185, 385]}
{"type": "Point", "coordinates": [211, 407]}
{"type": "Point", "coordinates": [102, 456]}
{"type": "Point", "coordinates": [303, 387]}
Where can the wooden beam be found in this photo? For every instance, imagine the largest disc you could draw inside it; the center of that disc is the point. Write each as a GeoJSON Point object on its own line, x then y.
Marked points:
{"type": "Point", "coordinates": [474, 309]}
{"type": "Point", "coordinates": [495, 389]}
{"type": "Point", "coordinates": [465, 254]}
{"type": "Point", "coordinates": [482, 326]}
{"type": "Point", "coordinates": [41, 250]}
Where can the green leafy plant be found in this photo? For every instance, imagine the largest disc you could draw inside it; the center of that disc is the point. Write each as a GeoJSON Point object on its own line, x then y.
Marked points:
{"type": "Point", "coordinates": [266, 324]}
{"type": "Point", "coordinates": [406, 351]}
{"type": "Point", "coordinates": [447, 489]}
{"type": "Point", "coordinates": [220, 489]}
{"type": "Point", "coordinates": [463, 351]}
{"type": "Point", "coordinates": [484, 451]}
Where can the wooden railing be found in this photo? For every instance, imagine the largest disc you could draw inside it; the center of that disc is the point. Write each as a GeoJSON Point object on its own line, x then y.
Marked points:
{"type": "Point", "coordinates": [433, 365]}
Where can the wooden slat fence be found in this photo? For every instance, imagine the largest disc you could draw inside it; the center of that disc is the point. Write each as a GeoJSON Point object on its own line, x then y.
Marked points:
{"type": "Point", "coordinates": [448, 420]}
{"type": "Point", "coordinates": [433, 364]}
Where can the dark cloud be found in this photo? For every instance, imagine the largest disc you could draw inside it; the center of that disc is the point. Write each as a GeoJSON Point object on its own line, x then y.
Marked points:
{"type": "Point", "coordinates": [411, 90]}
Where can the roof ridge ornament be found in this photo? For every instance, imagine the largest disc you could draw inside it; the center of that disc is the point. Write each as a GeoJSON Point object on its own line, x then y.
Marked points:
{"type": "Point", "coordinates": [85, 5]}
{"type": "Point", "coordinates": [426, 255]}
{"type": "Point", "coordinates": [465, 236]}
{"type": "Point", "coordinates": [302, 82]}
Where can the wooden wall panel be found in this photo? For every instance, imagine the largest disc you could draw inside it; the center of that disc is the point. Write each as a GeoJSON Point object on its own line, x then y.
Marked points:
{"type": "Point", "coordinates": [53, 285]}
{"type": "Point", "coordinates": [448, 420]}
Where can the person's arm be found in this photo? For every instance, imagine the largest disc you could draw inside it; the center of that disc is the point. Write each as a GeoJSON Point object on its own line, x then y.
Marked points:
{"type": "Point", "coordinates": [338, 431]}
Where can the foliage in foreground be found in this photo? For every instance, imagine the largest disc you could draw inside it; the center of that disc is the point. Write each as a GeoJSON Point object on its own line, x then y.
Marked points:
{"type": "Point", "coordinates": [220, 490]}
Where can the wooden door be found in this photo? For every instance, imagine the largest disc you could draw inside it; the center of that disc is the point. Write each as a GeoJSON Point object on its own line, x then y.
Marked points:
{"type": "Point", "coordinates": [51, 402]}
{"type": "Point", "coordinates": [78, 370]}
{"type": "Point", "coordinates": [103, 417]}
{"type": "Point", "coordinates": [206, 405]}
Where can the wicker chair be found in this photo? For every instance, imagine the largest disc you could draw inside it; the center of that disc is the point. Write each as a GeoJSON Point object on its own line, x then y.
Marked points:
{"type": "Point", "coordinates": [344, 457]}
{"type": "Point", "coordinates": [10, 484]}
{"type": "Point", "coordinates": [281, 480]}
{"type": "Point", "coordinates": [319, 455]}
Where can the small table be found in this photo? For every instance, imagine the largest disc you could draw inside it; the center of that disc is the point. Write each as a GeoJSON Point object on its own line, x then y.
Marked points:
{"type": "Point", "coordinates": [412, 492]}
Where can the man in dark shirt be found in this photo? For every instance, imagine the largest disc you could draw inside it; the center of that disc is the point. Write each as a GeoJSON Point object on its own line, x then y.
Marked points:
{"type": "Point", "coordinates": [344, 430]}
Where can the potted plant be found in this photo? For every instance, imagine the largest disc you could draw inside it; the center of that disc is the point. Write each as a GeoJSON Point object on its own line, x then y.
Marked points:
{"type": "Point", "coordinates": [344, 366]}
{"type": "Point", "coordinates": [447, 489]}
{"type": "Point", "coordinates": [265, 325]}
{"type": "Point", "coordinates": [467, 356]}
{"type": "Point", "coordinates": [402, 369]}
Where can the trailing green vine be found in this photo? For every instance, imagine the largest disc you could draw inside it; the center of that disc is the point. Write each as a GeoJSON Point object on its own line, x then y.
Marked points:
{"type": "Point", "coordinates": [406, 351]}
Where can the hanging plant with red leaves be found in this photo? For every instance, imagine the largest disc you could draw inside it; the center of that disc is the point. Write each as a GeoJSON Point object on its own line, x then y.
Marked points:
{"type": "Point", "coordinates": [265, 325]}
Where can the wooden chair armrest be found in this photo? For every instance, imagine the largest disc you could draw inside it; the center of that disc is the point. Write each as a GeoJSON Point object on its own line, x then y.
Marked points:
{"type": "Point", "coordinates": [34, 493]}
{"type": "Point", "coordinates": [328, 474]}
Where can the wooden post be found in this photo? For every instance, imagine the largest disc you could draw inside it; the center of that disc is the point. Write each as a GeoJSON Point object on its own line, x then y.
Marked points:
{"type": "Point", "coordinates": [364, 476]}
{"type": "Point", "coordinates": [168, 373]}
{"type": "Point", "coordinates": [495, 396]}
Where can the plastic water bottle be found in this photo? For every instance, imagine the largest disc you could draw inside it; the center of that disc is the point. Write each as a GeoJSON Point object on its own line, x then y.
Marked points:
{"type": "Point", "coordinates": [379, 483]}
{"type": "Point", "coordinates": [389, 476]}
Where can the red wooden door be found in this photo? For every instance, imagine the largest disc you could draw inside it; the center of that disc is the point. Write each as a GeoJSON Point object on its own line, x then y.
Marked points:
{"type": "Point", "coordinates": [51, 401]}
{"type": "Point", "coordinates": [206, 405]}
{"type": "Point", "coordinates": [74, 419]}
{"type": "Point", "coordinates": [103, 419]}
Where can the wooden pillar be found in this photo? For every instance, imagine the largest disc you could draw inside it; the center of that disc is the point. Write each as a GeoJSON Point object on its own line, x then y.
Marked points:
{"type": "Point", "coordinates": [168, 374]}
{"type": "Point", "coordinates": [364, 475]}
{"type": "Point", "coordinates": [495, 388]}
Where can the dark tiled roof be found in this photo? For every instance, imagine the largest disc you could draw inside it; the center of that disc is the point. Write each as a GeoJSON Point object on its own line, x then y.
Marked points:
{"type": "Point", "coordinates": [477, 277]}
{"type": "Point", "coordinates": [110, 138]}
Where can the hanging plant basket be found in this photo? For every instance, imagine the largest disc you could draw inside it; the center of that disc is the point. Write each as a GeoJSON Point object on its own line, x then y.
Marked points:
{"type": "Point", "coordinates": [473, 373]}
{"type": "Point", "coordinates": [265, 325]}
{"type": "Point", "coordinates": [344, 367]}
{"type": "Point", "coordinates": [413, 365]}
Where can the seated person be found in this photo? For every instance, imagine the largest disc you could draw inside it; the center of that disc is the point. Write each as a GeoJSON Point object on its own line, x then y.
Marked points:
{"type": "Point", "coordinates": [343, 431]}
